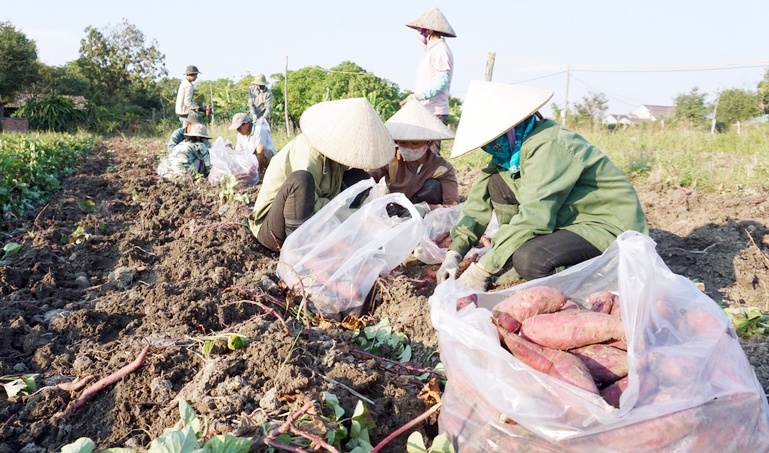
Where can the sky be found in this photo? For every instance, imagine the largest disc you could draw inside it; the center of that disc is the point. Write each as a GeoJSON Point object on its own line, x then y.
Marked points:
{"type": "Point", "coordinates": [609, 47]}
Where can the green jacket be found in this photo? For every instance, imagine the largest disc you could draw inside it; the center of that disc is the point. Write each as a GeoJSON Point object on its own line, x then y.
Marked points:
{"type": "Point", "coordinates": [564, 183]}
{"type": "Point", "coordinates": [188, 157]}
{"type": "Point", "coordinates": [298, 154]}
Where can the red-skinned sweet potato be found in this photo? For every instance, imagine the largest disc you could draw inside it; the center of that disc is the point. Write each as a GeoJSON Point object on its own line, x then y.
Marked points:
{"type": "Point", "coordinates": [612, 393]}
{"type": "Point", "coordinates": [572, 329]}
{"type": "Point", "coordinates": [601, 302]}
{"type": "Point", "coordinates": [531, 301]}
{"type": "Point", "coordinates": [606, 364]}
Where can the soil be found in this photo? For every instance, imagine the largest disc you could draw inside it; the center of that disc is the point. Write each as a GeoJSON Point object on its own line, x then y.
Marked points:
{"type": "Point", "coordinates": [168, 265]}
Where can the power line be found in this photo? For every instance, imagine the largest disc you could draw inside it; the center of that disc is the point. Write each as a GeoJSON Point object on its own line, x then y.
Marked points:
{"type": "Point", "coordinates": [686, 68]}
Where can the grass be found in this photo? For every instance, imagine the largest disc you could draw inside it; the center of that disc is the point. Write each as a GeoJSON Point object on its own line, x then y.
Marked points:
{"type": "Point", "coordinates": [723, 162]}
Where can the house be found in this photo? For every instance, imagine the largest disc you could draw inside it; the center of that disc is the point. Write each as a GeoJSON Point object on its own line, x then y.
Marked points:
{"type": "Point", "coordinates": [613, 120]}
{"type": "Point", "coordinates": [648, 112]}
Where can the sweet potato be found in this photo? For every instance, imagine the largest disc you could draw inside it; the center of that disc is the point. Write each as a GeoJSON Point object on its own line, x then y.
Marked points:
{"type": "Point", "coordinates": [462, 302]}
{"type": "Point", "coordinates": [507, 322]}
{"type": "Point", "coordinates": [441, 237]}
{"type": "Point", "coordinates": [606, 364]}
{"type": "Point", "coordinates": [572, 329]}
{"type": "Point", "coordinates": [601, 302]}
{"type": "Point", "coordinates": [612, 393]}
{"type": "Point", "coordinates": [571, 305]}
{"type": "Point", "coordinates": [557, 364]}
{"type": "Point", "coordinates": [531, 301]}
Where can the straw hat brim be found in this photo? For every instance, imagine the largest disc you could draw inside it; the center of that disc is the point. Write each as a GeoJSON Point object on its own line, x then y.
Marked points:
{"type": "Point", "coordinates": [491, 109]}
{"type": "Point", "coordinates": [433, 20]}
{"type": "Point", "coordinates": [413, 122]}
{"type": "Point", "coordinates": [348, 131]}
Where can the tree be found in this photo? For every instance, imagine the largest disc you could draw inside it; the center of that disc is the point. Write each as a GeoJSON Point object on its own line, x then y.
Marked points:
{"type": "Point", "coordinates": [763, 92]}
{"type": "Point", "coordinates": [691, 108]}
{"type": "Point", "coordinates": [737, 105]}
{"type": "Point", "coordinates": [590, 111]}
{"type": "Point", "coordinates": [18, 63]}
{"type": "Point", "coordinates": [122, 68]}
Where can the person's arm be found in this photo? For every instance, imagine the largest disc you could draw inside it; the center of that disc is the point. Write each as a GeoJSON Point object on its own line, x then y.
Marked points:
{"type": "Point", "coordinates": [548, 174]}
{"type": "Point", "coordinates": [189, 102]}
{"type": "Point", "coordinates": [267, 104]}
{"type": "Point", "coordinates": [476, 214]}
{"type": "Point", "coordinates": [176, 137]}
{"type": "Point", "coordinates": [449, 186]}
{"type": "Point", "coordinates": [439, 83]}
{"type": "Point", "coordinates": [252, 101]}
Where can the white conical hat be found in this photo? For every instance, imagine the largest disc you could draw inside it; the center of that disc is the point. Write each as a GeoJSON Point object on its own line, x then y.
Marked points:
{"type": "Point", "coordinates": [433, 20]}
{"type": "Point", "coordinates": [348, 131]}
{"type": "Point", "coordinates": [414, 122]}
{"type": "Point", "coordinates": [491, 109]}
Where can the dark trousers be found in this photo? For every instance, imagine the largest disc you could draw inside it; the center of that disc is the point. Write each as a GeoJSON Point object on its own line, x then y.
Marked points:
{"type": "Point", "coordinates": [542, 255]}
{"type": "Point", "coordinates": [294, 204]}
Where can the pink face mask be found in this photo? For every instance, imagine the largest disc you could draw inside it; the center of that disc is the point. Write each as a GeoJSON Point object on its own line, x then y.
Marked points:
{"type": "Point", "coordinates": [410, 155]}
{"type": "Point", "coordinates": [424, 35]}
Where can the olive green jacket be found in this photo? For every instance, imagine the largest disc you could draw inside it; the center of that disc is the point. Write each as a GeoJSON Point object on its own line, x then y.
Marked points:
{"type": "Point", "coordinates": [564, 183]}
{"type": "Point", "coordinates": [298, 154]}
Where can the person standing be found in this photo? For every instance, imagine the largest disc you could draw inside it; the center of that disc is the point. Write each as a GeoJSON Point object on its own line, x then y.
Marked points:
{"type": "Point", "coordinates": [185, 96]}
{"type": "Point", "coordinates": [436, 68]}
{"type": "Point", "coordinates": [260, 99]}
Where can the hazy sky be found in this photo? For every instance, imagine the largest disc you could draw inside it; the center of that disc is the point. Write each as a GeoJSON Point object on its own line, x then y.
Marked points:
{"type": "Point", "coordinates": [603, 42]}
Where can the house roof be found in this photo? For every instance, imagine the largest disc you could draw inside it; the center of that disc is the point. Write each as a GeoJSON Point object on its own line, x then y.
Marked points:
{"type": "Point", "coordinates": [659, 111]}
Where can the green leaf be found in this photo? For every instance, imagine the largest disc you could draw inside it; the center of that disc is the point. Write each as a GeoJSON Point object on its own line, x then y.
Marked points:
{"type": "Point", "coordinates": [227, 444]}
{"type": "Point", "coordinates": [236, 341]}
{"type": "Point", "coordinates": [189, 418]}
{"type": "Point", "coordinates": [120, 450]}
{"type": "Point", "coordinates": [330, 401]}
{"type": "Point", "coordinates": [10, 249]}
{"type": "Point", "coordinates": [747, 321]}
{"type": "Point", "coordinates": [207, 346]}
{"type": "Point", "coordinates": [87, 204]}
{"type": "Point", "coordinates": [415, 443]}
{"type": "Point", "coordinates": [172, 441]}
{"type": "Point", "coordinates": [441, 444]}
{"type": "Point", "coordinates": [82, 445]}
{"type": "Point", "coordinates": [24, 384]}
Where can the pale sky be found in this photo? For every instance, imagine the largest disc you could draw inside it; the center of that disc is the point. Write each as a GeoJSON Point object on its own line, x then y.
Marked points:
{"type": "Point", "coordinates": [534, 41]}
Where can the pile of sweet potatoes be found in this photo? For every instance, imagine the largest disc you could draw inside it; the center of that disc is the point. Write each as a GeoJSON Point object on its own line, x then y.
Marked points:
{"type": "Point", "coordinates": [558, 337]}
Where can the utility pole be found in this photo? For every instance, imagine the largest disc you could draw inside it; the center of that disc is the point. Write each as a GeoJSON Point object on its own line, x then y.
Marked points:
{"type": "Point", "coordinates": [490, 66]}
{"type": "Point", "coordinates": [285, 98]}
{"type": "Point", "coordinates": [715, 110]}
{"type": "Point", "coordinates": [566, 97]}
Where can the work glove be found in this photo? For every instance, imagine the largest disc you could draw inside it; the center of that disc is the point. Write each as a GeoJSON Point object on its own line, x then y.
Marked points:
{"type": "Point", "coordinates": [422, 208]}
{"type": "Point", "coordinates": [475, 277]}
{"type": "Point", "coordinates": [449, 267]}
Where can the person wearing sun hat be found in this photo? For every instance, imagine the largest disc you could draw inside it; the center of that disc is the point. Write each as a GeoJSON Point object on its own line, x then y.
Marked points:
{"type": "Point", "coordinates": [427, 179]}
{"type": "Point", "coordinates": [254, 138]}
{"type": "Point", "coordinates": [177, 136]}
{"type": "Point", "coordinates": [260, 99]}
{"type": "Point", "coordinates": [191, 156]}
{"type": "Point", "coordinates": [559, 200]}
{"type": "Point", "coordinates": [339, 140]}
{"type": "Point", "coordinates": [185, 95]}
{"type": "Point", "coordinates": [436, 67]}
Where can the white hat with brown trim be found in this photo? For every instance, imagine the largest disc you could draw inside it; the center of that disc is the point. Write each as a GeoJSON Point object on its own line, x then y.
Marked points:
{"type": "Point", "coordinates": [491, 109]}
{"type": "Point", "coordinates": [348, 131]}
{"type": "Point", "coordinates": [197, 130]}
{"type": "Point", "coordinates": [414, 122]}
{"type": "Point", "coordinates": [433, 20]}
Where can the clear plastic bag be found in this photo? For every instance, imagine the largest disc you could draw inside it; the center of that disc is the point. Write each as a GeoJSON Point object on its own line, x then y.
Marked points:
{"type": "Point", "coordinates": [440, 221]}
{"type": "Point", "coordinates": [691, 387]}
{"type": "Point", "coordinates": [226, 161]}
{"type": "Point", "coordinates": [336, 255]}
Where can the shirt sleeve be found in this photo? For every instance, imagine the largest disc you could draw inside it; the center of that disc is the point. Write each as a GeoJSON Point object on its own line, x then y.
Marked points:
{"type": "Point", "coordinates": [476, 214]}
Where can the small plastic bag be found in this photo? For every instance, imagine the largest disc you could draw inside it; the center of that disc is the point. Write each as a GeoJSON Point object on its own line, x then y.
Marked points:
{"type": "Point", "coordinates": [335, 257]}
{"type": "Point", "coordinates": [226, 161]}
{"type": "Point", "coordinates": [691, 387]}
{"type": "Point", "coordinates": [438, 223]}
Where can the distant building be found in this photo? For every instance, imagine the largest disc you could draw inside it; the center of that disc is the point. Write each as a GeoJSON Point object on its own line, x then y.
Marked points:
{"type": "Point", "coordinates": [617, 120]}
{"type": "Point", "coordinates": [648, 112]}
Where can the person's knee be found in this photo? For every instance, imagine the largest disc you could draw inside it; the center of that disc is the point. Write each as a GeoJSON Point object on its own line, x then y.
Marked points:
{"type": "Point", "coordinates": [431, 192]}
{"type": "Point", "coordinates": [530, 265]}
{"type": "Point", "coordinates": [300, 178]}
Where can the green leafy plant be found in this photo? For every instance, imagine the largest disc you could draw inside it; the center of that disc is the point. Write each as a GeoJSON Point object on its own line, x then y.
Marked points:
{"type": "Point", "coordinates": [10, 249]}
{"type": "Point", "coordinates": [416, 444]}
{"type": "Point", "coordinates": [228, 184]}
{"type": "Point", "coordinates": [87, 204]}
{"type": "Point", "coordinates": [79, 235]}
{"type": "Point", "coordinates": [382, 339]}
{"type": "Point", "coordinates": [234, 341]}
{"type": "Point", "coordinates": [24, 383]}
{"type": "Point", "coordinates": [748, 321]}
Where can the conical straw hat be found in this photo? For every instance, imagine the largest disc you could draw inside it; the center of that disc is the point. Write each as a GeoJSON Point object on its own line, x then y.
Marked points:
{"type": "Point", "coordinates": [433, 20]}
{"type": "Point", "coordinates": [348, 131]}
{"type": "Point", "coordinates": [491, 109]}
{"type": "Point", "coordinates": [414, 122]}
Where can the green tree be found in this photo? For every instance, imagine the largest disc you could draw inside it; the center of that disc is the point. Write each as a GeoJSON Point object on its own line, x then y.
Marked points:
{"type": "Point", "coordinates": [18, 63]}
{"type": "Point", "coordinates": [763, 92]}
{"type": "Point", "coordinates": [590, 111]}
{"type": "Point", "coordinates": [690, 108]}
{"type": "Point", "coordinates": [737, 105]}
{"type": "Point", "coordinates": [123, 71]}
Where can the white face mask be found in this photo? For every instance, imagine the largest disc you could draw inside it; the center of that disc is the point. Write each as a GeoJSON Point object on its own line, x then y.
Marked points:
{"type": "Point", "coordinates": [410, 155]}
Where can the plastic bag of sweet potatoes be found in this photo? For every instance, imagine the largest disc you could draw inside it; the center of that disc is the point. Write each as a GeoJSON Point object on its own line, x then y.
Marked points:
{"type": "Point", "coordinates": [689, 386]}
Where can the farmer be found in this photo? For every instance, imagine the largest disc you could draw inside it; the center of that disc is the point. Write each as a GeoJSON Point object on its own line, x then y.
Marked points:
{"type": "Point", "coordinates": [339, 139]}
{"type": "Point", "coordinates": [260, 99]}
{"type": "Point", "coordinates": [177, 136]}
{"type": "Point", "coordinates": [185, 96]}
{"type": "Point", "coordinates": [190, 156]}
{"type": "Point", "coordinates": [254, 138]}
{"type": "Point", "coordinates": [427, 179]}
{"type": "Point", "coordinates": [437, 65]}
{"type": "Point", "coordinates": [559, 199]}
